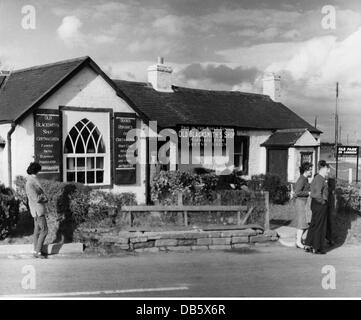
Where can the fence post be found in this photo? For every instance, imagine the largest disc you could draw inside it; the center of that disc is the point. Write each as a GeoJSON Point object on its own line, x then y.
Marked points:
{"type": "Point", "coordinates": [185, 218]}
{"type": "Point", "coordinates": [219, 199]}
{"type": "Point", "coordinates": [267, 214]}
{"type": "Point", "coordinates": [180, 198]}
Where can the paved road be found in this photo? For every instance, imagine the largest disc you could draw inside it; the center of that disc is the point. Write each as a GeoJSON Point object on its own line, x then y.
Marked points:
{"type": "Point", "coordinates": [269, 271]}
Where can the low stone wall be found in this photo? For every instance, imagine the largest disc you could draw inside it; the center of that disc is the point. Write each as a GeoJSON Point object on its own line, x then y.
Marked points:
{"type": "Point", "coordinates": [175, 240]}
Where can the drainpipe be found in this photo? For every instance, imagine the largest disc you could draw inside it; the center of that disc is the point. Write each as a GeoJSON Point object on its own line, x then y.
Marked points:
{"type": "Point", "coordinates": [10, 171]}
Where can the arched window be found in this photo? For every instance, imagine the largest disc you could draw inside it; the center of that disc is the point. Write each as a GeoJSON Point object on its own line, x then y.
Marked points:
{"type": "Point", "coordinates": [84, 151]}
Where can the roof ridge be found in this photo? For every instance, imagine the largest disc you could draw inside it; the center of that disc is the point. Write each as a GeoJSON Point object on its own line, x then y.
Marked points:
{"type": "Point", "coordinates": [291, 130]}
{"type": "Point", "coordinates": [83, 58]}
{"type": "Point", "coordinates": [174, 87]}
{"type": "Point", "coordinates": [222, 91]}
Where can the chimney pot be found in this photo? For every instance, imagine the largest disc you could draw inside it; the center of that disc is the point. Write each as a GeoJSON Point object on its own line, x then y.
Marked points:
{"type": "Point", "coordinates": [160, 76]}
{"type": "Point", "coordinates": [272, 86]}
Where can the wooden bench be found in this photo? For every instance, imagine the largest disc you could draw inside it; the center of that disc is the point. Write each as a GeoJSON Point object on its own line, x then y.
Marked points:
{"type": "Point", "coordinates": [186, 209]}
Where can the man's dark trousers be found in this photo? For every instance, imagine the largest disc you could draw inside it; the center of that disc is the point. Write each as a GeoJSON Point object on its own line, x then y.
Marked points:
{"type": "Point", "coordinates": [40, 232]}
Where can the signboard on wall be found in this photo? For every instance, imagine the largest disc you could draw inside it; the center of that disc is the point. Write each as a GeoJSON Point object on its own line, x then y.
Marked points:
{"type": "Point", "coordinates": [47, 145]}
{"type": "Point", "coordinates": [204, 135]}
{"type": "Point", "coordinates": [124, 172]}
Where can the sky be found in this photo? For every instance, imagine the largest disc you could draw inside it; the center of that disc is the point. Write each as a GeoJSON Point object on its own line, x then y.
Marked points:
{"type": "Point", "coordinates": [211, 44]}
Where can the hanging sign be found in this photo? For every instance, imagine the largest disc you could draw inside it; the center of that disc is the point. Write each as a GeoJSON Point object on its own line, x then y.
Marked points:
{"type": "Point", "coordinates": [47, 145]}
{"type": "Point", "coordinates": [124, 172]}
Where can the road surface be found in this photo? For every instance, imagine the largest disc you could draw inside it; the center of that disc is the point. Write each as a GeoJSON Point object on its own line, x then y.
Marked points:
{"type": "Point", "coordinates": [264, 271]}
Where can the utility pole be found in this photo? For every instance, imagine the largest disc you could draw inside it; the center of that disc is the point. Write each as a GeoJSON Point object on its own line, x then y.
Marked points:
{"type": "Point", "coordinates": [336, 117]}
{"type": "Point", "coordinates": [336, 130]}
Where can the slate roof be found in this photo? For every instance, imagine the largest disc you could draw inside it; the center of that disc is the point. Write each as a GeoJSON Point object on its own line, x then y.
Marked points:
{"type": "Point", "coordinates": [284, 138]}
{"type": "Point", "coordinates": [25, 87]}
{"type": "Point", "coordinates": [208, 107]}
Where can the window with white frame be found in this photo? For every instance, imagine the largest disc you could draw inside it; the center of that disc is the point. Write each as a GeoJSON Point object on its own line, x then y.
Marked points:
{"type": "Point", "coordinates": [84, 152]}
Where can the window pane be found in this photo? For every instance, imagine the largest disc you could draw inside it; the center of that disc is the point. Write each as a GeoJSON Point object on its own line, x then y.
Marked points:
{"type": "Point", "coordinates": [68, 146]}
{"type": "Point", "coordinates": [90, 177]}
{"type": "Point", "coordinates": [73, 134]}
{"type": "Point", "coordinates": [100, 163]}
{"type": "Point", "coordinates": [96, 135]}
{"type": "Point", "coordinates": [70, 163]}
{"type": "Point", "coordinates": [70, 176]}
{"type": "Point", "coordinates": [100, 176]}
{"type": "Point", "coordinates": [91, 146]}
{"type": "Point", "coordinates": [79, 125]}
{"type": "Point", "coordinates": [85, 133]}
{"type": "Point", "coordinates": [81, 177]}
{"type": "Point", "coordinates": [79, 148]}
{"type": "Point", "coordinates": [80, 164]}
{"type": "Point", "coordinates": [90, 163]}
{"type": "Point", "coordinates": [90, 126]}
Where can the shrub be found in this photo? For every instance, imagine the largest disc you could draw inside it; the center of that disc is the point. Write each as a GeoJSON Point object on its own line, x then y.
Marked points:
{"type": "Point", "coordinates": [349, 198]}
{"type": "Point", "coordinates": [166, 185]}
{"type": "Point", "coordinates": [72, 204]}
{"type": "Point", "coordinates": [92, 207]}
{"type": "Point", "coordinates": [278, 191]}
{"type": "Point", "coordinates": [196, 188]}
{"type": "Point", "coordinates": [9, 211]}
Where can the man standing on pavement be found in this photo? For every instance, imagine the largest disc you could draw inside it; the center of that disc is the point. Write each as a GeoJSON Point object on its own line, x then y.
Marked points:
{"type": "Point", "coordinates": [37, 200]}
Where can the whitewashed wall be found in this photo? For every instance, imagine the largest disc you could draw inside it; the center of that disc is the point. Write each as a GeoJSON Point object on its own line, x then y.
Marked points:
{"type": "Point", "coordinates": [257, 154]}
{"type": "Point", "coordinates": [4, 129]}
{"type": "Point", "coordinates": [85, 90]}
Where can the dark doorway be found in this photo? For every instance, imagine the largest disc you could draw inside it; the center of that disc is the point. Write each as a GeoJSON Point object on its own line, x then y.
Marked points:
{"type": "Point", "coordinates": [277, 160]}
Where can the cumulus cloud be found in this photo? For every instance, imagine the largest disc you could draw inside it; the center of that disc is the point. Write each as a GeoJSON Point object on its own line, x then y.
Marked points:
{"type": "Point", "coordinates": [69, 31]}
{"type": "Point", "coordinates": [325, 60]}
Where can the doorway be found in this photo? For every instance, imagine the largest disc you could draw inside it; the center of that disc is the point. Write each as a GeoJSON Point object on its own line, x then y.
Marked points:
{"type": "Point", "coordinates": [277, 163]}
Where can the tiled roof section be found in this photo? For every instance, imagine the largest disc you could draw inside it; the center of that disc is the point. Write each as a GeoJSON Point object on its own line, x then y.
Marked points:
{"type": "Point", "coordinates": [208, 107]}
{"type": "Point", "coordinates": [284, 138]}
{"type": "Point", "coordinates": [2, 80]}
{"type": "Point", "coordinates": [24, 87]}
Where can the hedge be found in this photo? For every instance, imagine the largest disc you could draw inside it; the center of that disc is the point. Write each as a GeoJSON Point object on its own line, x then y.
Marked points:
{"type": "Point", "coordinates": [72, 205]}
{"type": "Point", "coordinates": [9, 211]}
{"type": "Point", "coordinates": [198, 188]}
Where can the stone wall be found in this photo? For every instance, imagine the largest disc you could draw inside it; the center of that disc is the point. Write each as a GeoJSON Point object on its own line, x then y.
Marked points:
{"type": "Point", "coordinates": [174, 240]}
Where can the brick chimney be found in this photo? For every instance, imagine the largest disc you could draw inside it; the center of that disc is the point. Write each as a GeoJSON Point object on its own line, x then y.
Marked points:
{"type": "Point", "coordinates": [272, 86]}
{"type": "Point", "coordinates": [160, 76]}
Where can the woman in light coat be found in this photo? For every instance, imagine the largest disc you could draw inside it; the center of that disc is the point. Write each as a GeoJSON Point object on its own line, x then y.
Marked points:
{"type": "Point", "coordinates": [37, 200]}
{"type": "Point", "coordinates": [302, 192]}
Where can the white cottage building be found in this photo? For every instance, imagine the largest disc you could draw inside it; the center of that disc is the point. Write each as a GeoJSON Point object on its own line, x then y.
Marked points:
{"type": "Point", "coordinates": [73, 119]}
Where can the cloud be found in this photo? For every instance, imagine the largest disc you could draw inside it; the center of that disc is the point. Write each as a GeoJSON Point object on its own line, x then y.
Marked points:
{"type": "Point", "coordinates": [218, 74]}
{"type": "Point", "coordinates": [170, 24]}
{"type": "Point", "coordinates": [69, 31]}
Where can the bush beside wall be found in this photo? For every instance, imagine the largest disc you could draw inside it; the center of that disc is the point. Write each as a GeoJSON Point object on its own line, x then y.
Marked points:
{"type": "Point", "coordinates": [73, 205]}
{"type": "Point", "coordinates": [9, 211]}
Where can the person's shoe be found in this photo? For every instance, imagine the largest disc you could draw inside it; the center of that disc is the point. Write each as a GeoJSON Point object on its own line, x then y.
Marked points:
{"type": "Point", "coordinates": [330, 243]}
{"type": "Point", "coordinates": [300, 246]}
{"type": "Point", "coordinates": [39, 255]}
{"type": "Point", "coordinates": [307, 248]}
{"type": "Point", "coordinates": [318, 251]}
